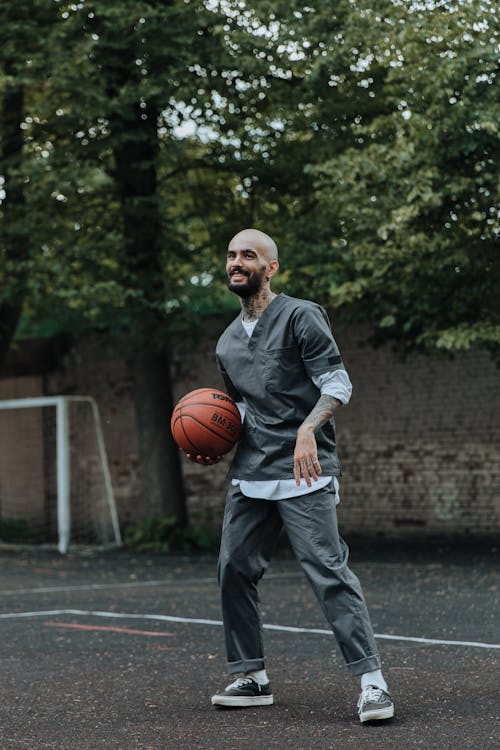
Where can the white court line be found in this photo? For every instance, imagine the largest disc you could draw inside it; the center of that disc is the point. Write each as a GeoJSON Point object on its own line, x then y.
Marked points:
{"type": "Point", "coordinates": [103, 586]}
{"type": "Point", "coordinates": [129, 585]}
{"type": "Point", "coordinates": [195, 621]}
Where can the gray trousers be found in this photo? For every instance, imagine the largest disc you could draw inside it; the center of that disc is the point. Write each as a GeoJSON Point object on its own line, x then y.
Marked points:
{"type": "Point", "coordinates": [249, 535]}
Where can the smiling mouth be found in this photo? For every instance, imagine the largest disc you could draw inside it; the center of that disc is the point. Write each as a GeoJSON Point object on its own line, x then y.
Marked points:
{"type": "Point", "coordinates": [237, 275]}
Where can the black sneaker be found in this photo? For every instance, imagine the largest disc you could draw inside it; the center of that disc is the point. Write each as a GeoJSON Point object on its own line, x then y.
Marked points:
{"type": "Point", "coordinates": [245, 691]}
{"type": "Point", "coordinates": [375, 704]}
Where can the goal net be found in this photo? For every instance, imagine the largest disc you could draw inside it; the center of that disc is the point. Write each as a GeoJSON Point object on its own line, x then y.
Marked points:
{"type": "Point", "coordinates": [55, 485]}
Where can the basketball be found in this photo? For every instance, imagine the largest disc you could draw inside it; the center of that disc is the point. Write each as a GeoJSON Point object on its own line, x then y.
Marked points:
{"type": "Point", "coordinates": [206, 422]}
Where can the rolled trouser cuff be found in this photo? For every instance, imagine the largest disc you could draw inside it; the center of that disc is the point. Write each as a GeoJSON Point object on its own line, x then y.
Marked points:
{"type": "Point", "coordinates": [368, 664]}
{"type": "Point", "coordinates": [246, 665]}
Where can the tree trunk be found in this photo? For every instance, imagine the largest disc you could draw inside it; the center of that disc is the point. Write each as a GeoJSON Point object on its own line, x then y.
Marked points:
{"type": "Point", "coordinates": [133, 122]}
{"type": "Point", "coordinates": [136, 153]}
{"type": "Point", "coordinates": [9, 318]}
{"type": "Point", "coordinates": [14, 238]}
{"type": "Point", "coordinates": [159, 454]}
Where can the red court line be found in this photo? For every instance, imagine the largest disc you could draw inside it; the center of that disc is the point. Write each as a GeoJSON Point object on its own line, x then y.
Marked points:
{"type": "Point", "coordinates": [129, 631]}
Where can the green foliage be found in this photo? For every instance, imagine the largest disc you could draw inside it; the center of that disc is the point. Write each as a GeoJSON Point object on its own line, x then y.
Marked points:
{"type": "Point", "coordinates": [415, 247]}
{"type": "Point", "coordinates": [363, 136]}
{"type": "Point", "coordinates": [166, 535]}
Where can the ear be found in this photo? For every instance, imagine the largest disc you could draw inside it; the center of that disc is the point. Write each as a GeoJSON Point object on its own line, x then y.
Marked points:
{"type": "Point", "coordinates": [272, 268]}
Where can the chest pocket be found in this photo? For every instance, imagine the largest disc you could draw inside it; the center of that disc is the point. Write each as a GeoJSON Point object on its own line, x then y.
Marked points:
{"type": "Point", "coordinates": [282, 367]}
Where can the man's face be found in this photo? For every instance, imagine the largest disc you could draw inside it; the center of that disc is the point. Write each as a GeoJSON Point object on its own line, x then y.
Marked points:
{"type": "Point", "coordinates": [246, 268]}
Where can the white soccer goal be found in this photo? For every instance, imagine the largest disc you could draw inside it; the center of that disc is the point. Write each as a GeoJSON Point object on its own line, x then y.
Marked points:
{"type": "Point", "coordinates": [55, 484]}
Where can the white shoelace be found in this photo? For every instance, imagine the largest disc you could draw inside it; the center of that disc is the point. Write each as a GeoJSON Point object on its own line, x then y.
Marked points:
{"type": "Point", "coordinates": [240, 682]}
{"type": "Point", "coordinates": [370, 694]}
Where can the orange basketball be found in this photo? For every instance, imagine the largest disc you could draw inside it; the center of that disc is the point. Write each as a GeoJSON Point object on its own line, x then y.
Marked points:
{"type": "Point", "coordinates": [206, 422]}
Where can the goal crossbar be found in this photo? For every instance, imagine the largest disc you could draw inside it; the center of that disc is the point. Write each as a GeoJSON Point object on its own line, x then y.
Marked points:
{"type": "Point", "coordinates": [63, 460]}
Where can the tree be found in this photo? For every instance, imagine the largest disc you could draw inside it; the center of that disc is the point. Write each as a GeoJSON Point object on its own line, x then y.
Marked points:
{"type": "Point", "coordinates": [105, 244]}
{"type": "Point", "coordinates": [109, 252]}
{"type": "Point", "coordinates": [14, 240]}
{"type": "Point", "coordinates": [20, 72]}
{"type": "Point", "coordinates": [369, 149]}
{"type": "Point", "coordinates": [414, 243]}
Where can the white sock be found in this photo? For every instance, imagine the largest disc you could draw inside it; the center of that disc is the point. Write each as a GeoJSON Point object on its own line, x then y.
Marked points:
{"type": "Point", "coordinates": [373, 678]}
{"type": "Point", "coordinates": [260, 676]}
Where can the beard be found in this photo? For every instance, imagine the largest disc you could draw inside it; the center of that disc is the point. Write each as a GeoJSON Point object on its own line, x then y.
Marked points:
{"type": "Point", "coordinates": [251, 286]}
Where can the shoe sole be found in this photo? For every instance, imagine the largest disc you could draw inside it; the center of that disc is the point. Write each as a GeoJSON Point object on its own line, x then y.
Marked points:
{"type": "Point", "coordinates": [233, 701]}
{"type": "Point", "coordinates": [377, 714]}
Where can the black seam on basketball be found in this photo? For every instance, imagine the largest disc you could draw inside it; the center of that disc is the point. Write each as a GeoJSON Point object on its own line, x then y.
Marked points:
{"type": "Point", "coordinates": [173, 422]}
{"type": "Point", "coordinates": [175, 417]}
{"type": "Point", "coordinates": [186, 436]}
{"type": "Point", "coordinates": [234, 411]}
{"type": "Point", "coordinates": [195, 419]}
{"type": "Point", "coordinates": [184, 411]}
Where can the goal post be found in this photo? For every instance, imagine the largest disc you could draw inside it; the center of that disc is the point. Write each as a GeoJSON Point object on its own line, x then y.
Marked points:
{"type": "Point", "coordinates": [55, 482]}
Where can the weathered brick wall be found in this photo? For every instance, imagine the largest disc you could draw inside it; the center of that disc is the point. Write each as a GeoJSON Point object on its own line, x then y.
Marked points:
{"type": "Point", "coordinates": [419, 442]}
{"type": "Point", "coordinates": [91, 370]}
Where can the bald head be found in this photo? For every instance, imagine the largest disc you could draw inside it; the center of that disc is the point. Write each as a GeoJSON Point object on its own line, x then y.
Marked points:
{"type": "Point", "coordinates": [252, 261]}
{"type": "Point", "coordinates": [257, 240]}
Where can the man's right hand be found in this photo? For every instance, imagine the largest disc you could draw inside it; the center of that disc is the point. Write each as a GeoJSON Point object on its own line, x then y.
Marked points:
{"type": "Point", "coordinates": [204, 460]}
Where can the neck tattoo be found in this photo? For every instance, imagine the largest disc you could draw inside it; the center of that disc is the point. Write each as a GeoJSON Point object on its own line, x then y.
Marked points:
{"type": "Point", "coordinates": [254, 306]}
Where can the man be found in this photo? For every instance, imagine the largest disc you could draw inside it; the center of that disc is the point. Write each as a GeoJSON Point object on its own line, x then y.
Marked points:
{"type": "Point", "coordinates": [281, 365]}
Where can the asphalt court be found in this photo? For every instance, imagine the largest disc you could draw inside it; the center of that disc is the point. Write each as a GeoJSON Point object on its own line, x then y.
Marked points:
{"type": "Point", "coordinates": [123, 651]}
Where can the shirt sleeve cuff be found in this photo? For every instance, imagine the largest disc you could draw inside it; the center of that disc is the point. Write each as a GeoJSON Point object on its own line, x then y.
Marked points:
{"type": "Point", "coordinates": [335, 384]}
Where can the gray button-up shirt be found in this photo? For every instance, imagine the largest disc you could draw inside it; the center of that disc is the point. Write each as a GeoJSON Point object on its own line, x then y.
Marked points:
{"type": "Point", "coordinates": [271, 372]}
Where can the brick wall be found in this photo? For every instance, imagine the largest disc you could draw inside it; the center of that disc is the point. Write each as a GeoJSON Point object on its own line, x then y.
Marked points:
{"type": "Point", "coordinates": [419, 443]}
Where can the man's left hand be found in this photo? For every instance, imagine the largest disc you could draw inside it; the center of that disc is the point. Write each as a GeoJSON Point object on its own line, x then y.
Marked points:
{"type": "Point", "coordinates": [305, 457]}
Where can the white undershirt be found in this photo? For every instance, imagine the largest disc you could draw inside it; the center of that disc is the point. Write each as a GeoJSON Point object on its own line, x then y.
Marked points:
{"type": "Point", "coordinates": [335, 383]}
